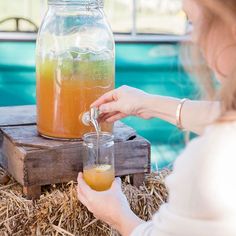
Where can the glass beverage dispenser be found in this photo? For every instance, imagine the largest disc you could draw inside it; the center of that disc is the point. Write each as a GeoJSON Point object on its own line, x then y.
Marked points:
{"type": "Point", "coordinates": [75, 66]}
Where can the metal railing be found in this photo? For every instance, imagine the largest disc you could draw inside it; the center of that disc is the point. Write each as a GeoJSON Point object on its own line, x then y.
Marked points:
{"type": "Point", "coordinates": [17, 21]}
{"type": "Point", "coordinates": [133, 36]}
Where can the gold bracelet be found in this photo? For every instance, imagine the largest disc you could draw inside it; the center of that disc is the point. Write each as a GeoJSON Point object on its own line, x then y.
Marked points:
{"type": "Point", "coordinates": [178, 114]}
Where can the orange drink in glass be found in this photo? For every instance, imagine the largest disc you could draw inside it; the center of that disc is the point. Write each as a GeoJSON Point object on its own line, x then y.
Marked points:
{"type": "Point", "coordinates": [98, 163]}
{"type": "Point", "coordinates": [99, 177]}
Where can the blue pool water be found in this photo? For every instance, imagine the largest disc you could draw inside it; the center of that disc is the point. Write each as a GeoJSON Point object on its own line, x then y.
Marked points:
{"type": "Point", "coordinates": [154, 68]}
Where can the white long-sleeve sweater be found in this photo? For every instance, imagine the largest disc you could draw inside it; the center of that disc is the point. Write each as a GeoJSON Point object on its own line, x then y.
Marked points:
{"type": "Point", "coordinates": [202, 189]}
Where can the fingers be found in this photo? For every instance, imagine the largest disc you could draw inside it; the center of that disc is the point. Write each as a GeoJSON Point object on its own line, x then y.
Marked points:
{"type": "Point", "coordinates": [81, 197]}
{"type": "Point", "coordinates": [80, 175]}
{"type": "Point", "coordinates": [84, 189]}
{"type": "Point", "coordinates": [105, 98]}
{"type": "Point", "coordinates": [111, 117]}
{"type": "Point", "coordinates": [116, 117]}
{"type": "Point", "coordinates": [80, 194]}
{"type": "Point", "coordinates": [104, 116]}
{"type": "Point", "coordinates": [116, 184]}
{"type": "Point", "coordinates": [109, 107]}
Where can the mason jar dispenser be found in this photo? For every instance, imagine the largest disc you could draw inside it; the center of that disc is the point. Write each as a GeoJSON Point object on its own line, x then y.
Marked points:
{"type": "Point", "coordinates": [74, 64]}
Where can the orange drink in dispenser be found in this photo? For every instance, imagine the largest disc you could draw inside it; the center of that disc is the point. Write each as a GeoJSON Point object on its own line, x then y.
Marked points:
{"type": "Point", "coordinates": [65, 91]}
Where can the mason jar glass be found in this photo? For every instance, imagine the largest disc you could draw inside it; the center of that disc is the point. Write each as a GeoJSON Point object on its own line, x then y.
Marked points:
{"type": "Point", "coordinates": [75, 65]}
{"type": "Point", "coordinates": [98, 160]}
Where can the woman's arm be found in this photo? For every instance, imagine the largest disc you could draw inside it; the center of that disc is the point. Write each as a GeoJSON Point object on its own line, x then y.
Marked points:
{"type": "Point", "coordinates": [195, 115]}
{"type": "Point", "coordinates": [126, 101]}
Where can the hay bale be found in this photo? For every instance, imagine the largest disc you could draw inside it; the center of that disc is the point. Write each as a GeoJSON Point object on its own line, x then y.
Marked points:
{"type": "Point", "coordinates": [58, 211]}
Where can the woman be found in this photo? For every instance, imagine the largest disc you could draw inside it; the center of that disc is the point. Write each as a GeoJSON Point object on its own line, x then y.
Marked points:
{"type": "Point", "coordinates": [202, 187]}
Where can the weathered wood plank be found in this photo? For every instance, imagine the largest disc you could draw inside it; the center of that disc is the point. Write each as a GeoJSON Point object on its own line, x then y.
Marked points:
{"type": "Point", "coordinates": [62, 165]}
{"type": "Point", "coordinates": [26, 115]}
{"type": "Point", "coordinates": [12, 159]}
{"type": "Point", "coordinates": [62, 162]}
{"type": "Point", "coordinates": [132, 156]}
{"type": "Point", "coordinates": [123, 132]}
{"type": "Point", "coordinates": [28, 136]}
{"type": "Point", "coordinates": [138, 179]}
{"type": "Point", "coordinates": [35, 161]}
{"type": "Point", "coordinates": [17, 115]}
{"type": "Point", "coordinates": [32, 192]}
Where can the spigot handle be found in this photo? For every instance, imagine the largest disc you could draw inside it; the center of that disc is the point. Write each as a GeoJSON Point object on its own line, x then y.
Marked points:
{"type": "Point", "coordinates": [90, 116]}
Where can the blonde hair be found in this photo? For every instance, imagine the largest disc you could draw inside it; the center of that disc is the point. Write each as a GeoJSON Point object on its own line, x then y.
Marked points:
{"type": "Point", "coordinates": [215, 11]}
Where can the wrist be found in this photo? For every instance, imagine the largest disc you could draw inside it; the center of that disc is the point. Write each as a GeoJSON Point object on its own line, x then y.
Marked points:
{"type": "Point", "coordinates": [146, 106]}
{"type": "Point", "coordinates": [128, 223]}
{"type": "Point", "coordinates": [156, 106]}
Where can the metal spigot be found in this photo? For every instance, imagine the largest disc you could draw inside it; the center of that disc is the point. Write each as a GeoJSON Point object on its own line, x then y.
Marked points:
{"type": "Point", "coordinates": [90, 117]}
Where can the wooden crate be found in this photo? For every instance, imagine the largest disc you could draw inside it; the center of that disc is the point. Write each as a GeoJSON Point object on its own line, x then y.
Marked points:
{"type": "Point", "coordinates": [35, 161]}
